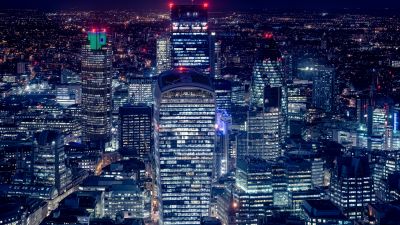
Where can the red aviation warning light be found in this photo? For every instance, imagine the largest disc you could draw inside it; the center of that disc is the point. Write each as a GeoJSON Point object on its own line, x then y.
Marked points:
{"type": "Point", "coordinates": [268, 35]}
{"type": "Point", "coordinates": [205, 5]}
{"type": "Point", "coordinates": [171, 4]}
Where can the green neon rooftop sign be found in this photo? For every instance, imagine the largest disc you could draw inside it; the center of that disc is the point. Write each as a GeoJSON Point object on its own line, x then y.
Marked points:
{"type": "Point", "coordinates": [97, 39]}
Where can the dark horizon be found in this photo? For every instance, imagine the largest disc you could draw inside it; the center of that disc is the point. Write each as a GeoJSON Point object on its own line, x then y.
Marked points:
{"type": "Point", "coordinates": [220, 5]}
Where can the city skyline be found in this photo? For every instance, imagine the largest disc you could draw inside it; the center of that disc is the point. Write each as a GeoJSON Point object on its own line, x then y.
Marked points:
{"type": "Point", "coordinates": [219, 5]}
{"type": "Point", "coordinates": [195, 113]}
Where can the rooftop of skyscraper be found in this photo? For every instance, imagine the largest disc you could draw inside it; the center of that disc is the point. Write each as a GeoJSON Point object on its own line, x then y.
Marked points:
{"type": "Point", "coordinates": [183, 77]}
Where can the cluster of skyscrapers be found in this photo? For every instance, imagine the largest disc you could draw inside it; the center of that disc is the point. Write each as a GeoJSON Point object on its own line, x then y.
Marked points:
{"type": "Point", "coordinates": [189, 143]}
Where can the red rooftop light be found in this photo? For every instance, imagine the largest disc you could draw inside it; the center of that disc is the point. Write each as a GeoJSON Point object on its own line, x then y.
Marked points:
{"type": "Point", "coordinates": [268, 35]}
{"type": "Point", "coordinates": [94, 30]}
{"type": "Point", "coordinates": [171, 5]}
{"type": "Point", "coordinates": [205, 5]}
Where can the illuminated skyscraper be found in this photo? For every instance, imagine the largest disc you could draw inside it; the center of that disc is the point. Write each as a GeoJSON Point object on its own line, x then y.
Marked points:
{"type": "Point", "coordinates": [223, 131]}
{"type": "Point", "coordinates": [267, 123]}
{"type": "Point", "coordinates": [96, 88]}
{"type": "Point", "coordinates": [141, 90]}
{"type": "Point", "coordinates": [223, 95]}
{"type": "Point", "coordinates": [352, 186]}
{"type": "Point", "coordinates": [322, 76]}
{"type": "Point", "coordinates": [190, 37]}
{"type": "Point", "coordinates": [184, 145]}
{"type": "Point", "coordinates": [49, 167]}
{"type": "Point", "coordinates": [163, 54]}
{"type": "Point", "coordinates": [215, 56]}
{"type": "Point", "coordinates": [135, 129]}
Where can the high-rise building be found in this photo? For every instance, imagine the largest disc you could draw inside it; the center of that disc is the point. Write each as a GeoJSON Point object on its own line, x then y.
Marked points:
{"type": "Point", "coordinates": [322, 76]}
{"type": "Point", "coordinates": [163, 54]}
{"type": "Point", "coordinates": [120, 98]}
{"type": "Point", "coordinates": [215, 56]}
{"type": "Point", "coordinates": [49, 168]}
{"type": "Point", "coordinates": [184, 145]}
{"type": "Point", "coordinates": [223, 160]}
{"type": "Point", "coordinates": [252, 196]}
{"type": "Point", "coordinates": [323, 88]}
{"type": "Point", "coordinates": [126, 198]}
{"type": "Point", "coordinates": [352, 186]}
{"type": "Point", "coordinates": [141, 90]}
{"type": "Point", "coordinates": [96, 88]}
{"type": "Point", "coordinates": [223, 95]}
{"type": "Point", "coordinates": [299, 100]}
{"type": "Point", "coordinates": [267, 123]}
{"type": "Point", "coordinates": [135, 129]}
{"type": "Point", "coordinates": [190, 37]}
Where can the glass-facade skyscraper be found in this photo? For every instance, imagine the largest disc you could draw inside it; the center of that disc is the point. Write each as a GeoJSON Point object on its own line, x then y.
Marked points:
{"type": "Point", "coordinates": [163, 54]}
{"type": "Point", "coordinates": [190, 37]}
{"type": "Point", "coordinates": [184, 145]}
{"type": "Point", "coordinates": [96, 88]}
{"type": "Point", "coordinates": [50, 160]}
{"type": "Point", "coordinates": [267, 125]}
{"type": "Point", "coordinates": [135, 129]}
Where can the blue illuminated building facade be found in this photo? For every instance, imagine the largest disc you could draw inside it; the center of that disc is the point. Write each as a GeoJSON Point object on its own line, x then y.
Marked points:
{"type": "Point", "coordinates": [184, 145]}
{"type": "Point", "coordinates": [96, 89]}
{"type": "Point", "coordinates": [190, 37]}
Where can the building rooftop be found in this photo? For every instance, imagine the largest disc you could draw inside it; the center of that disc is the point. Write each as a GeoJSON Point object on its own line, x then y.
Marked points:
{"type": "Point", "coordinates": [47, 136]}
{"type": "Point", "coordinates": [322, 209]}
{"type": "Point", "coordinates": [185, 12]}
{"type": "Point", "coordinates": [183, 77]}
{"type": "Point", "coordinates": [352, 167]}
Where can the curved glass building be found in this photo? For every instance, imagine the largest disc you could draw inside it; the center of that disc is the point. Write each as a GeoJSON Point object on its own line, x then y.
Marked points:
{"type": "Point", "coordinates": [184, 145]}
{"type": "Point", "coordinates": [96, 89]}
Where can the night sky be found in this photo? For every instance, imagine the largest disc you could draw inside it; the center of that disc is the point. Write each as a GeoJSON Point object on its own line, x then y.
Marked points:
{"type": "Point", "coordinates": [215, 4]}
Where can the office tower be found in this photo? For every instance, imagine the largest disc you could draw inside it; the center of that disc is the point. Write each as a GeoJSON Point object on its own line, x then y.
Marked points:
{"type": "Point", "coordinates": [299, 175]}
{"type": "Point", "coordinates": [223, 95]}
{"type": "Point", "coordinates": [384, 165]}
{"type": "Point", "coordinates": [323, 88]}
{"type": "Point", "coordinates": [280, 185]}
{"type": "Point", "coordinates": [120, 98]}
{"type": "Point", "coordinates": [126, 198]}
{"type": "Point", "coordinates": [184, 145]}
{"type": "Point", "coordinates": [96, 89]}
{"type": "Point", "coordinates": [352, 186]}
{"type": "Point", "coordinates": [238, 93]}
{"type": "Point", "coordinates": [163, 54]}
{"type": "Point", "coordinates": [190, 39]}
{"type": "Point", "coordinates": [19, 154]}
{"type": "Point", "coordinates": [299, 100]}
{"type": "Point", "coordinates": [378, 119]}
{"type": "Point", "coordinates": [49, 168]}
{"type": "Point", "coordinates": [267, 124]}
{"type": "Point", "coordinates": [135, 129]}
{"type": "Point", "coordinates": [215, 56]}
{"type": "Point", "coordinates": [252, 196]}
{"type": "Point", "coordinates": [68, 94]}
{"type": "Point", "coordinates": [222, 157]}
{"type": "Point", "coordinates": [323, 78]}
{"type": "Point", "coordinates": [298, 154]}
{"type": "Point", "coordinates": [264, 127]}
{"type": "Point", "coordinates": [69, 77]}
{"type": "Point", "coordinates": [141, 90]}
